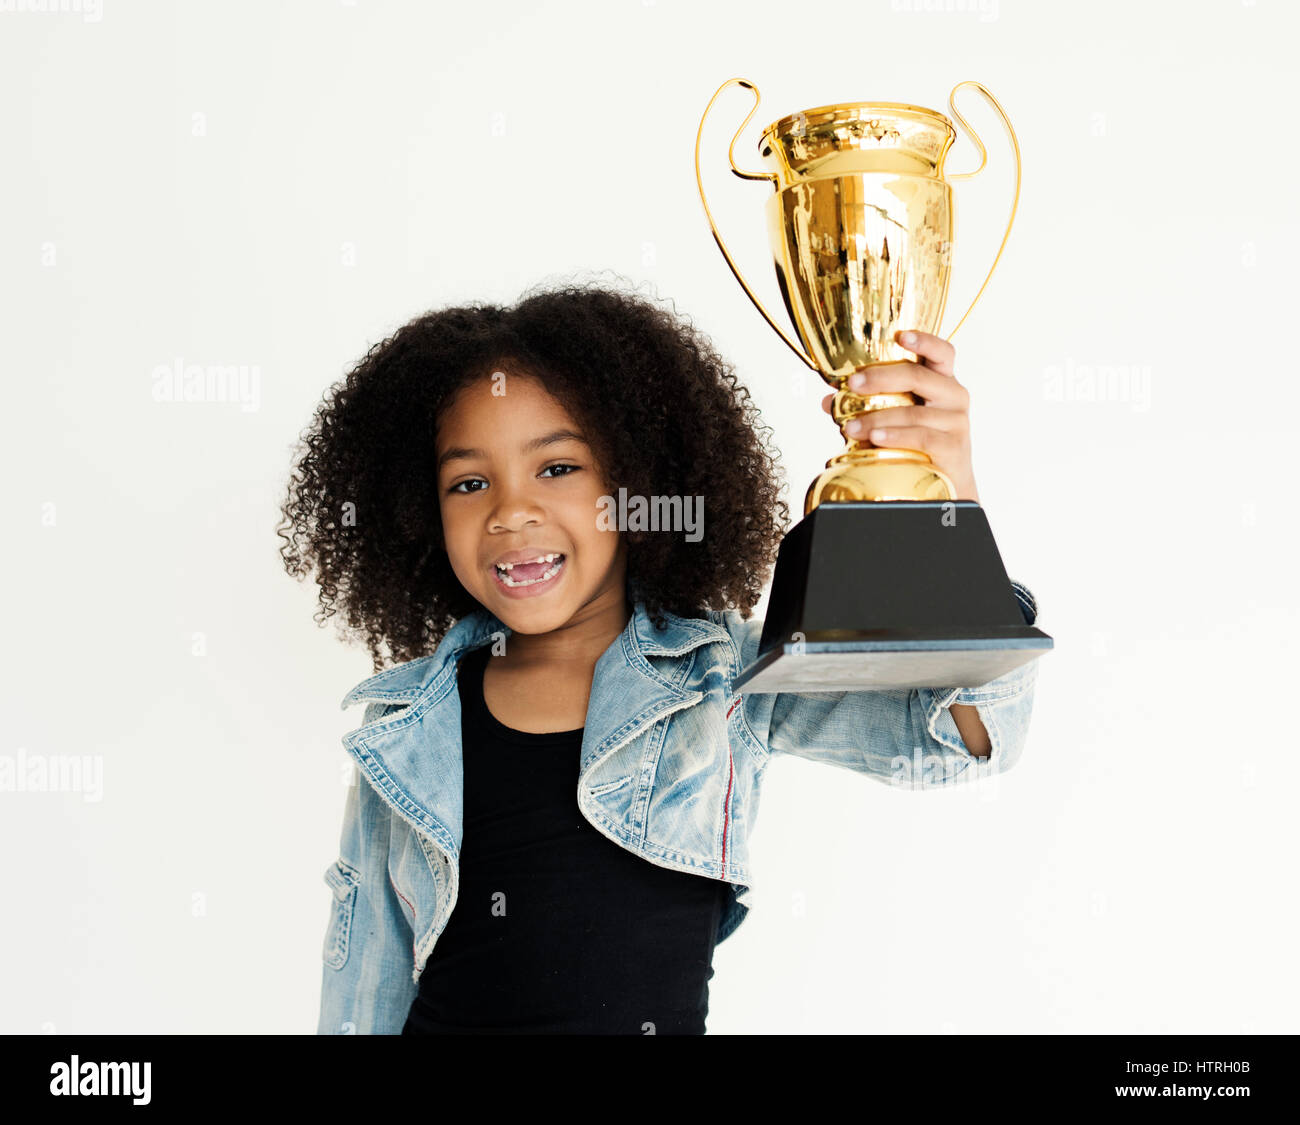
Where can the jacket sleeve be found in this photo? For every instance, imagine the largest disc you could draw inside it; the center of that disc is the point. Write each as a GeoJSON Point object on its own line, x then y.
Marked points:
{"type": "Point", "coordinates": [902, 738]}
{"type": "Point", "coordinates": [366, 985]}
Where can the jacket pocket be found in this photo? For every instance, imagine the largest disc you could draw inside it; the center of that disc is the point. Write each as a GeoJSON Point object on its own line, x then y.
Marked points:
{"type": "Point", "coordinates": [341, 878]}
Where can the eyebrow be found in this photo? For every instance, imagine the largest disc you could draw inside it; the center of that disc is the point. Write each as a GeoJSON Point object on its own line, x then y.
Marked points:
{"type": "Point", "coordinates": [460, 453]}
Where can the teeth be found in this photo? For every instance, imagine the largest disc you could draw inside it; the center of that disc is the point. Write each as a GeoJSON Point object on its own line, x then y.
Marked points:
{"type": "Point", "coordinates": [540, 558]}
{"type": "Point", "coordinates": [550, 572]}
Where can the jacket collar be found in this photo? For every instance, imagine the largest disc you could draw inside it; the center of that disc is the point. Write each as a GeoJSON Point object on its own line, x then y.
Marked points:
{"type": "Point", "coordinates": [415, 757]}
{"type": "Point", "coordinates": [407, 682]}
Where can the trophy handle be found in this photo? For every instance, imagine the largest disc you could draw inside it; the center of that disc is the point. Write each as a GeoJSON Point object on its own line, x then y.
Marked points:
{"type": "Point", "coordinates": [769, 176]}
{"type": "Point", "coordinates": [1015, 199]}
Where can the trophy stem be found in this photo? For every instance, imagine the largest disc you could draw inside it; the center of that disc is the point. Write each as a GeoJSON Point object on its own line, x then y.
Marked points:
{"type": "Point", "coordinates": [869, 472]}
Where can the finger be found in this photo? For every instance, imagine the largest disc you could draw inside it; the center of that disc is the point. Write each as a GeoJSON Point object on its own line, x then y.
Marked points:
{"type": "Point", "coordinates": [937, 444]}
{"type": "Point", "coordinates": [955, 422]}
{"type": "Point", "coordinates": [937, 388]}
{"type": "Point", "coordinates": [935, 352]}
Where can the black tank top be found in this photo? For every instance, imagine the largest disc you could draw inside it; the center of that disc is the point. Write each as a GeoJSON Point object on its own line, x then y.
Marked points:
{"type": "Point", "coordinates": [557, 929]}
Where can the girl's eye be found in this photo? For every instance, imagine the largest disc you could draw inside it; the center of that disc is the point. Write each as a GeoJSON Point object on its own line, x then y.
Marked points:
{"type": "Point", "coordinates": [456, 487]}
{"type": "Point", "coordinates": [474, 480]}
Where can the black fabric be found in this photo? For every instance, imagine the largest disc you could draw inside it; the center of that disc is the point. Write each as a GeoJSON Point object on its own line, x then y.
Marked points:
{"type": "Point", "coordinates": [593, 939]}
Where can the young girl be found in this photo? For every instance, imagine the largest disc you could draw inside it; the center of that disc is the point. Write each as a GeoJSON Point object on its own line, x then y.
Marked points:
{"type": "Point", "coordinates": [548, 827]}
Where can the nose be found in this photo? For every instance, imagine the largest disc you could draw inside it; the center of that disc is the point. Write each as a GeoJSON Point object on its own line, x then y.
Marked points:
{"type": "Point", "coordinates": [516, 506]}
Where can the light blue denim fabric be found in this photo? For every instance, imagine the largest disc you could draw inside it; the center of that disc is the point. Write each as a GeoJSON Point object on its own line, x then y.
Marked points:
{"type": "Point", "coordinates": [670, 769]}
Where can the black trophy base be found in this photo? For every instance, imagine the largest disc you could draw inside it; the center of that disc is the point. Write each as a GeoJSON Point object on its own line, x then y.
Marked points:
{"type": "Point", "coordinates": [881, 596]}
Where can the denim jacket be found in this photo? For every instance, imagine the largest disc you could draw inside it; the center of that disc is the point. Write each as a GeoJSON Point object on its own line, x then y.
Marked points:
{"type": "Point", "coordinates": [670, 768]}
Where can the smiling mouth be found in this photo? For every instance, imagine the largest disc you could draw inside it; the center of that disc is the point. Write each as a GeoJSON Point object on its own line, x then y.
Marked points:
{"type": "Point", "coordinates": [530, 573]}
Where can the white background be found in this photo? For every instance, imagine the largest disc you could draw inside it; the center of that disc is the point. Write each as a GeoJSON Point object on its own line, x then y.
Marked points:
{"type": "Point", "coordinates": [191, 180]}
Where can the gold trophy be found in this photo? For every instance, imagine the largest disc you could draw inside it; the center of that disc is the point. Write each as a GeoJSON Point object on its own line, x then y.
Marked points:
{"type": "Point", "coordinates": [889, 581]}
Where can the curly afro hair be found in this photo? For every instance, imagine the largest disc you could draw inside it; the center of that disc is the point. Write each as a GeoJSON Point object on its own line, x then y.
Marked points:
{"type": "Point", "coordinates": [661, 409]}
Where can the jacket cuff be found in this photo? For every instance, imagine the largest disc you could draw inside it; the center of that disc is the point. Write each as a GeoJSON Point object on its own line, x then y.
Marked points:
{"type": "Point", "coordinates": [1003, 707]}
{"type": "Point", "coordinates": [1028, 603]}
{"type": "Point", "coordinates": [1014, 683]}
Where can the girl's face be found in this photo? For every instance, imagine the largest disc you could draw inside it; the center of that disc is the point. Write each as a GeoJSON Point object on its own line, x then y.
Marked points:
{"type": "Point", "coordinates": [516, 480]}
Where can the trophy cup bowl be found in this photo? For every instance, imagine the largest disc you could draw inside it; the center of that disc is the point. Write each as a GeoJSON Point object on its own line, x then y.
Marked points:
{"type": "Point", "coordinates": [889, 581]}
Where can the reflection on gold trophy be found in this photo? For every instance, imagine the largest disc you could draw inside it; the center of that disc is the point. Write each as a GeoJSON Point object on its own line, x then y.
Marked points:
{"type": "Point", "coordinates": [861, 230]}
